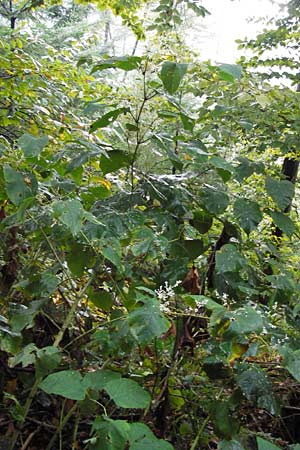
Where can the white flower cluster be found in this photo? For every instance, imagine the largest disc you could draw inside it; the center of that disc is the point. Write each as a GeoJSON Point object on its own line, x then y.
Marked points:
{"type": "Point", "coordinates": [164, 294]}
{"type": "Point", "coordinates": [225, 299]}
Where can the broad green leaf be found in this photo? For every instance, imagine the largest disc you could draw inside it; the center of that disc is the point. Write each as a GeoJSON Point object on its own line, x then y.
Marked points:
{"type": "Point", "coordinates": [147, 322]}
{"type": "Point", "coordinates": [23, 207]}
{"type": "Point", "coordinates": [47, 360]}
{"type": "Point", "coordinates": [131, 127]}
{"type": "Point", "coordinates": [102, 299]}
{"type": "Point", "coordinates": [70, 213]}
{"type": "Point", "coordinates": [214, 200]}
{"type": "Point", "coordinates": [93, 194]}
{"type": "Point", "coordinates": [206, 302]}
{"type": "Point", "coordinates": [99, 378]}
{"type": "Point", "coordinates": [142, 247]}
{"type": "Point", "coordinates": [187, 122]}
{"type": "Point", "coordinates": [17, 185]}
{"type": "Point", "coordinates": [112, 434]}
{"type": "Point", "coordinates": [25, 357]}
{"type": "Point", "coordinates": [230, 72]}
{"type": "Point", "coordinates": [187, 248]}
{"type": "Point", "coordinates": [171, 75]}
{"type": "Point", "coordinates": [230, 445]}
{"type": "Point", "coordinates": [196, 151]}
{"type": "Point", "coordinates": [116, 159]}
{"type": "Point", "coordinates": [48, 283]}
{"type": "Point", "coordinates": [107, 119]}
{"type": "Point", "coordinates": [168, 115]}
{"type": "Point", "coordinates": [79, 258]}
{"type": "Point", "coordinates": [139, 431]}
{"type": "Point", "coordinates": [165, 143]}
{"type": "Point", "coordinates": [67, 383]}
{"type": "Point", "coordinates": [126, 63]}
{"type": "Point", "coordinates": [32, 146]}
{"type": "Point", "coordinates": [145, 238]}
{"type": "Point", "coordinates": [224, 424]}
{"type": "Point", "coordinates": [201, 220]}
{"type": "Point", "coordinates": [257, 388]}
{"type": "Point", "coordinates": [291, 360]}
{"type": "Point", "coordinates": [113, 256]}
{"type": "Point", "coordinates": [244, 321]}
{"type": "Point", "coordinates": [78, 161]}
{"type": "Point", "coordinates": [281, 191]}
{"type": "Point", "coordinates": [41, 285]}
{"type": "Point", "coordinates": [246, 168]}
{"type": "Point", "coordinates": [22, 316]}
{"type": "Point", "coordinates": [141, 437]}
{"type": "Point", "coordinates": [248, 214]}
{"type": "Point", "coordinates": [262, 444]}
{"type": "Point", "coordinates": [147, 444]}
{"type": "Point", "coordinates": [246, 124]}
{"type": "Point", "coordinates": [228, 259]}
{"type": "Point", "coordinates": [283, 222]}
{"type": "Point", "coordinates": [11, 343]}
{"type": "Point", "coordinates": [127, 393]}
{"type": "Point", "coordinates": [221, 163]}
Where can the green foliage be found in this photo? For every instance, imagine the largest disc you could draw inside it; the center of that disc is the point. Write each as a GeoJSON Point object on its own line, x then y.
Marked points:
{"type": "Point", "coordinates": [67, 383]}
{"type": "Point", "coordinates": [201, 221]}
{"type": "Point", "coordinates": [228, 259]}
{"type": "Point", "coordinates": [283, 222]}
{"type": "Point", "coordinates": [263, 444]}
{"type": "Point", "coordinates": [257, 389]}
{"type": "Point", "coordinates": [171, 75]}
{"type": "Point", "coordinates": [226, 426]}
{"type": "Point", "coordinates": [99, 378]}
{"type": "Point", "coordinates": [115, 434]}
{"type": "Point", "coordinates": [230, 72]}
{"type": "Point", "coordinates": [147, 321]}
{"type": "Point", "coordinates": [127, 394]}
{"type": "Point", "coordinates": [107, 119]}
{"type": "Point", "coordinates": [291, 360]}
{"type": "Point", "coordinates": [148, 238]}
{"type": "Point", "coordinates": [281, 191]}
{"type": "Point", "coordinates": [126, 63]}
{"type": "Point", "coordinates": [70, 213]}
{"type": "Point", "coordinates": [18, 186]}
{"type": "Point", "coordinates": [248, 214]}
{"type": "Point", "coordinates": [115, 160]}
{"type": "Point", "coordinates": [214, 200]}
{"type": "Point", "coordinates": [32, 146]}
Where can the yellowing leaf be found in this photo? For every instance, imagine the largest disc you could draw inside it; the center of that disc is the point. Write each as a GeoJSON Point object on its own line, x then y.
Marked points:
{"type": "Point", "coordinates": [237, 350]}
{"type": "Point", "coordinates": [223, 328]}
{"type": "Point", "coordinates": [105, 183]}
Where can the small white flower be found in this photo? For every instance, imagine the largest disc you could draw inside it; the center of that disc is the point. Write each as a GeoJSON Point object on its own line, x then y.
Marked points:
{"type": "Point", "coordinates": [164, 293]}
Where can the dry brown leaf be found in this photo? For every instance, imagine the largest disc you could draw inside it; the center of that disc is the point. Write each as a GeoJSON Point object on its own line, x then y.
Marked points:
{"type": "Point", "coordinates": [191, 281]}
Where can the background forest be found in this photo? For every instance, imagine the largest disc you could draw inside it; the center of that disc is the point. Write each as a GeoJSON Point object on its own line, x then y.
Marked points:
{"type": "Point", "coordinates": [149, 231]}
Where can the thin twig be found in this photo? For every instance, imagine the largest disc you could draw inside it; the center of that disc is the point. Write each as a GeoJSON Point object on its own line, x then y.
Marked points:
{"type": "Point", "coordinates": [74, 446]}
{"type": "Point", "coordinates": [61, 426]}
{"type": "Point", "coordinates": [29, 438]}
